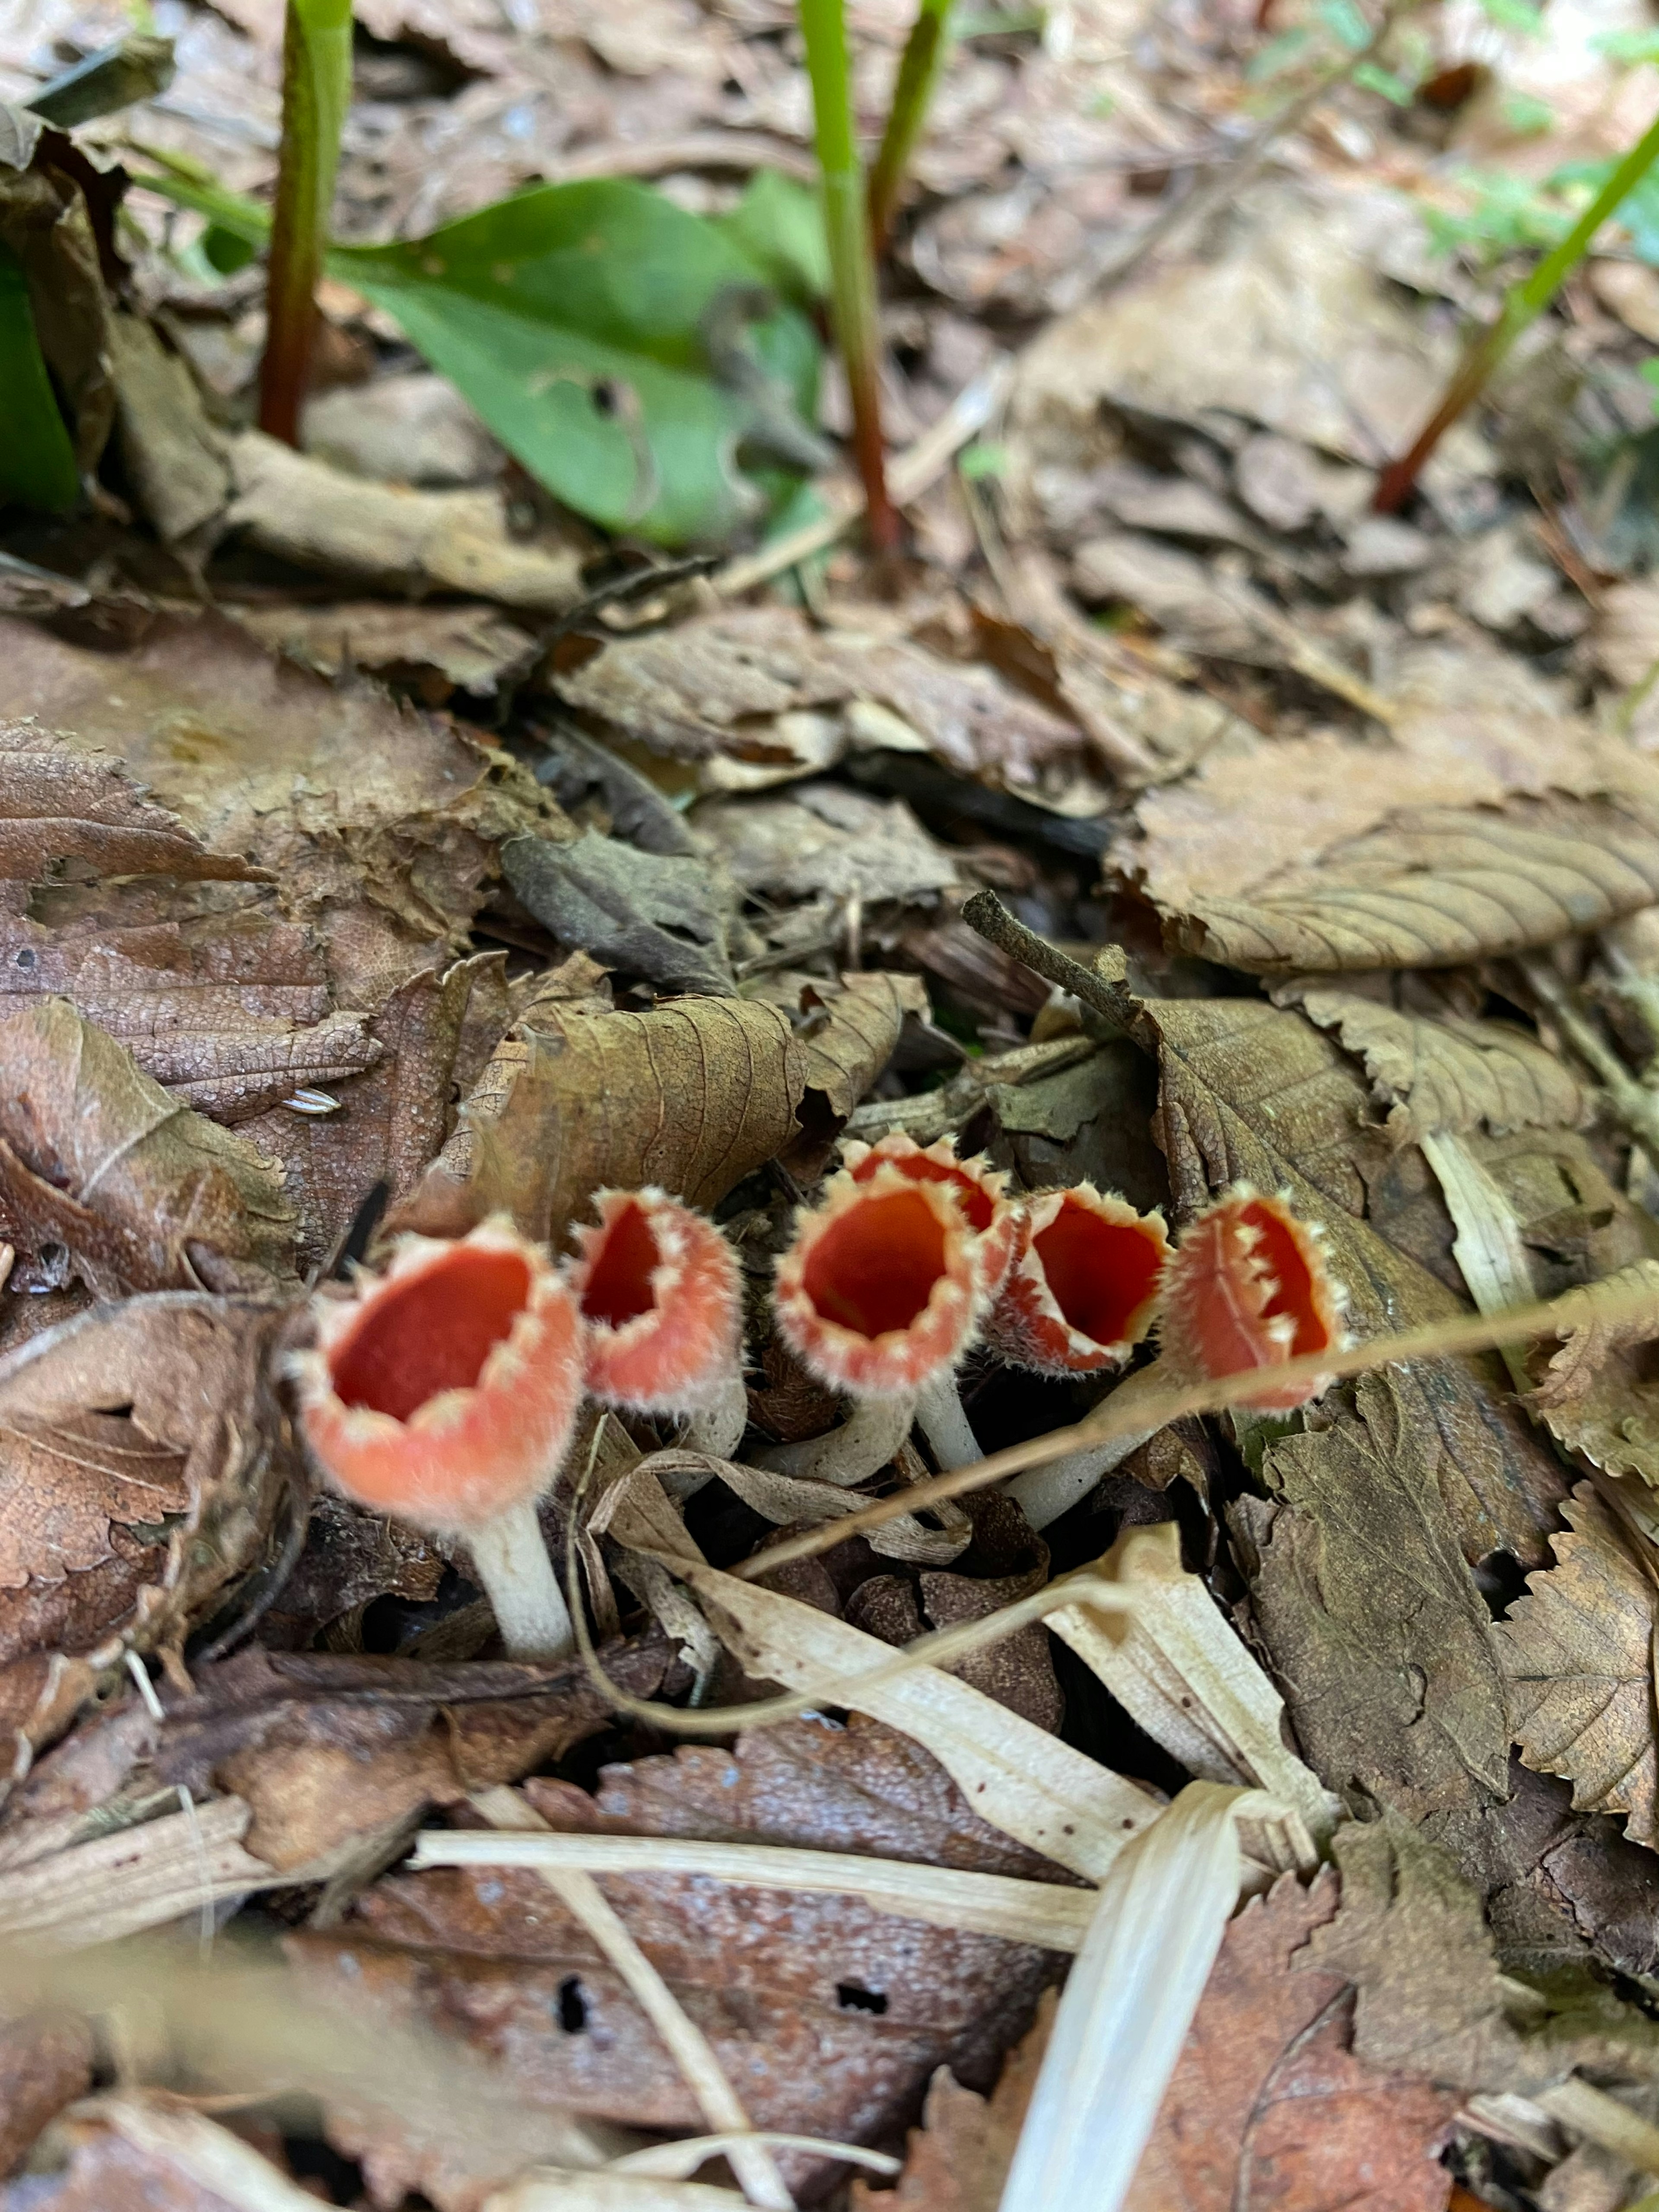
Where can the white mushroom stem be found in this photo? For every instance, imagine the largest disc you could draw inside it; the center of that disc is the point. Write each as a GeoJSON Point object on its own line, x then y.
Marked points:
{"type": "Point", "coordinates": [941, 1420]}
{"type": "Point", "coordinates": [510, 1560]}
{"type": "Point", "coordinates": [717, 1428]}
{"type": "Point", "coordinates": [1044, 1493]}
{"type": "Point", "coordinates": [861, 1447]}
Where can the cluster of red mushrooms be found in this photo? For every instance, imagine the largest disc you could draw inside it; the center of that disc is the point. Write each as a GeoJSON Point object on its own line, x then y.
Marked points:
{"type": "Point", "coordinates": [444, 1387]}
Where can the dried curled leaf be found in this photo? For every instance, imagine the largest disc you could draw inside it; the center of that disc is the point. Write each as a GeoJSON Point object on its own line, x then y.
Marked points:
{"type": "Point", "coordinates": [1600, 1395]}
{"type": "Point", "coordinates": [1578, 1654]}
{"type": "Point", "coordinates": [692, 1097]}
{"type": "Point", "coordinates": [1448, 1073]}
{"type": "Point", "coordinates": [135, 1191]}
{"type": "Point", "coordinates": [58, 804]}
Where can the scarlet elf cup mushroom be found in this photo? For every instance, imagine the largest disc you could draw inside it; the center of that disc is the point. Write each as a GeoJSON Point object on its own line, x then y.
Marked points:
{"type": "Point", "coordinates": [661, 1297]}
{"type": "Point", "coordinates": [877, 1296]}
{"type": "Point", "coordinates": [443, 1390]}
{"type": "Point", "coordinates": [1246, 1286]}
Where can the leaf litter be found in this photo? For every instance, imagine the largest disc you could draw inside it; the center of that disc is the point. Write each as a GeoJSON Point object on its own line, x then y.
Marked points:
{"type": "Point", "coordinates": [371, 863]}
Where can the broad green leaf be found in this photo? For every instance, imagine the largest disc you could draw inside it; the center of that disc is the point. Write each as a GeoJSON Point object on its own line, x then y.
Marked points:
{"type": "Point", "coordinates": [778, 224]}
{"type": "Point", "coordinates": [570, 318]}
{"type": "Point", "coordinates": [37, 461]}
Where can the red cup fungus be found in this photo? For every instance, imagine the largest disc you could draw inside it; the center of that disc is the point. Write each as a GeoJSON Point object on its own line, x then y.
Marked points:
{"type": "Point", "coordinates": [1248, 1286]}
{"type": "Point", "coordinates": [979, 1189]}
{"type": "Point", "coordinates": [1083, 1288]}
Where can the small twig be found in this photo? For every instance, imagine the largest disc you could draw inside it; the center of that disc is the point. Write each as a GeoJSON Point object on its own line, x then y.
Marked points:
{"type": "Point", "coordinates": [1636, 1106]}
{"type": "Point", "coordinates": [986, 913]}
{"type": "Point", "coordinates": [909, 475]}
{"type": "Point", "coordinates": [638, 584]}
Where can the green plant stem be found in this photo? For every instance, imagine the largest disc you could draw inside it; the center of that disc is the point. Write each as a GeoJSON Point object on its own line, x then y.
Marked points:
{"type": "Point", "coordinates": [913, 95]}
{"type": "Point", "coordinates": [1523, 304]}
{"type": "Point", "coordinates": [852, 263]}
{"type": "Point", "coordinates": [316, 92]}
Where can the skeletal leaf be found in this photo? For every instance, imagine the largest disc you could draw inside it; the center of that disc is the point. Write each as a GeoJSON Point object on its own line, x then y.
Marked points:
{"type": "Point", "coordinates": [1578, 1654]}
{"type": "Point", "coordinates": [1448, 1073]}
{"type": "Point", "coordinates": [140, 1194]}
{"type": "Point", "coordinates": [1600, 1394]}
{"type": "Point", "coordinates": [655, 915]}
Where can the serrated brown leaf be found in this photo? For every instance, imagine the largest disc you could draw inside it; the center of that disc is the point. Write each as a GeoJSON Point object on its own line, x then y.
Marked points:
{"type": "Point", "coordinates": [143, 1448]}
{"type": "Point", "coordinates": [958, 2159]}
{"type": "Point", "coordinates": [1577, 1655]}
{"type": "Point", "coordinates": [692, 1097]}
{"type": "Point", "coordinates": [1268, 2104]}
{"type": "Point", "coordinates": [1411, 1934]}
{"type": "Point", "coordinates": [1492, 827]}
{"type": "Point", "coordinates": [44, 2065]}
{"type": "Point", "coordinates": [1437, 887]}
{"type": "Point", "coordinates": [230, 1011]}
{"type": "Point", "coordinates": [60, 803]}
{"type": "Point", "coordinates": [828, 2015]}
{"type": "Point", "coordinates": [139, 1193]}
{"type": "Point", "coordinates": [1600, 1394]}
{"type": "Point", "coordinates": [1447, 1073]}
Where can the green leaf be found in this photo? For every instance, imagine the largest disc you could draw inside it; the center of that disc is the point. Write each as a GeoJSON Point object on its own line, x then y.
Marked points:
{"type": "Point", "coordinates": [37, 461]}
{"type": "Point", "coordinates": [1384, 81]}
{"type": "Point", "coordinates": [1514, 15]}
{"type": "Point", "coordinates": [1628, 45]}
{"type": "Point", "coordinates": [1344, 21]}
{"type": "Point", "coordinates": [778, 224]}
{"type": "Point", "coordinates": [570, 318]}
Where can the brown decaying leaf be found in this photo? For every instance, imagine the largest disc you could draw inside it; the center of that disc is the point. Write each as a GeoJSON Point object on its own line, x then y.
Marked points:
{"type": "Point", "coordinates": [97, 1159]}
{"type": "Point", "coordinates": [44, 2065]}
{"type": "Point", "coordinates": [324, 1747]}
{"type": "Point", "coordinates": [1268, 2104]}
{"type": "Point", "coordinates": [1472, 833]}
{"type": "Point", "coordinates": [1600, 1394]}
{"type": "Point", "coordinates": [173, 1389]}
{"type": "Point", "coordinates": [710, 686]}
{"type": "Point", "coordinates": [1578, 1654]}
{"type": "Point", "coordinates": [958, 2159]}
{"type": "Point", "coordinates": [1448, 1073]}
{"type": "Point", "coordinates": [104, 2169]}
{"type": "Point", "coordinates": [827, 2015]}
{"type": "Point", "coordinates": [692, 1097]}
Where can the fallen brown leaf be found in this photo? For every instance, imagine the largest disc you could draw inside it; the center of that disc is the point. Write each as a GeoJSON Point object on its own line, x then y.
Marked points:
{"type": "Point", "coordinates": [146, 1465]}
{"type": "Point", "coordinates": [1482, 830]}
{"type": "Point", "coordinates": [662, 916]}
{"type": "Point", "coordinates": [828, 2015]}
{"type": "Point", "coordinates": [1600, 1394]}
{"type": "Point", "coordinates": [1269, 2104]}
{"type": "Point", "coordinates": [693, 1096]}
{"type": "Point", "coordinates": [1448, 1073]}
{"type": "Point", "coordinates": [45, 2064]}
{"type": "Point", "coordinates": [1577, 1654]}
{"type": "Point", "coordinates": [104, 1174]}
{"type": "Point", "coordinates": [430, 650]}
{"type": "Point", "coordinates": [712, 686]}
{"type": "Point", "coordinates": [958, 2159]}
{"type": "Point", "coordinates": [325, 1747]}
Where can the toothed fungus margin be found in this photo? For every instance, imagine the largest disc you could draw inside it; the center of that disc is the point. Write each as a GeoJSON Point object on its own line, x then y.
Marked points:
{"type": "Point", "coordinates": [1248, 1286]}
{"type": "Point", "coordinates": [1083, 1289]}
{"type": "Point", "coordinates": [981, 1190]}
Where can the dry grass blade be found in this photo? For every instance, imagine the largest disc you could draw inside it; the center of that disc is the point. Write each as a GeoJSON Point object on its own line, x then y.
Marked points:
{"type": "Point", "coordinates": [191, 2144]}
{"type": "Point", "coordinates": [1127, 2004]}
{"type": "Point", "coordinates": [752, 2162]}
{"type": "Point", "coordinates": [1036, 1913]}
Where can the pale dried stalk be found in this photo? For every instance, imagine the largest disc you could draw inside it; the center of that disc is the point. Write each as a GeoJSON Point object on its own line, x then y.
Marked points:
{"type": "Point", "coordinates": [1435, 1340]}
{"type": "Point", "coordinates": [1127, 2004]}
{"type": "Point", "coordinates": [753, 2164]}
{"type": "Point", "coordinates": [139, 1878]}
{"type": "Point", "coordinates": [675, 2160]}
{"type": "Point", "coordinates": [1029, 1784]}
{"type": "Point", "coordinates": [1487, 1247]}
{"type": "Point", "coordinates": [781, 1497]}
{"type": "Point", "coordinates": [1038, 1912]}
{"type": "Point", "coordinates": [552, 2189]}
{"type": "Point", "coordinates": [1179, 1670]}
{"type": "Point", "coordinates": [1592, 2113]}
